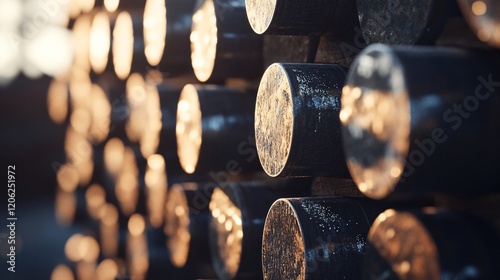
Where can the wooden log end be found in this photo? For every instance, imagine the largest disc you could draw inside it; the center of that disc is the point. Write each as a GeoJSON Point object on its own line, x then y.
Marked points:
{"type": "Point", "coordinates": [204, 41]}
{"type": "Point", "coordinates": [274, 120]}
{"type": "Point", "coordinates": [401, 246]}
{"type": "Point", "coordinates": [188, 128]}
{"type": "Point", "coordinates": [283, 253]}
{"type": "Point", "coordinates": [177, 226]}
{"type": "Point", "coordinates": [375, 142]}
{"type": "Point", "coordinates": [226, 235]}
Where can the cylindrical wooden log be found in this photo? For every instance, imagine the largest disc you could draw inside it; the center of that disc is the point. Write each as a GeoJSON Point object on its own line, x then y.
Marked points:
{"type": "Point", "coordinates": [419, 245]}
{"type": "Point", "coordinates": [223, 44]}
{"type": "Point", "coordinates": [215, 130]}
{"type": "Point", "coordinates": [238, 214]}
{"type": "Point", "coordinates": [422, 120]}
{"type": "Point", "coordinates": [404, 22]}
{"type": "Point", "coordinates": [317, 238]}
{"type": "Point", "coordinates": [167, 25]}
{"type": "Point", "coordinates": [484, 17]}
{"type": "Point", "coordinates": [186, 227]}
{"type": "Point", "coordinates": [297, 126]}
{"type": "Point", "coordinates": [295, 17]}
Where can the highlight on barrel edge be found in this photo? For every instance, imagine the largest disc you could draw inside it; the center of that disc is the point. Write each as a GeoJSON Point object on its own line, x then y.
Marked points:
{"type": "Point", "coordinates": [226, 234]}
{"type": "Point", "coordinates": [431, 244]}
{"type": "Point", "coordinates": [189, 128]}
{"type": "Point", "coordinates": [393, 235]}
{"type": "Point", "coordinates": [123, 45]}
{"type": "Point", "coordinates": [376, 123]}
{"type": "Point", "coordinates": [204, 40]}
{"type": "Point", "coordinates": [177, 225]}
{"type": "Point", "coordinates": [100, 42]}
{"type": "Point", "coordinates": [186, 227]}
{"type": "Point", "coordinates": [206, 114]}
{"type": "Point", "coordinates": [297, 126]}
{"type": "Point", "coordinates": [484, 17]}
{"type": "Point", "coordinates": [155, 30]}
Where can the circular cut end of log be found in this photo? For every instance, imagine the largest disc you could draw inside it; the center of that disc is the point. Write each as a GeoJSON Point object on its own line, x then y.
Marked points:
{"type": "Point", "coordinates": [260, 14]}
{"type": "Point", "coordinates": [484, 17]}
{"type": "Point", "coordinates": [403, 244]}
{"type": "Point", "coordinates": [177, 226]}
{"type": "Point", "coordinates": [155, 30]}
{"type": "Point", "coordinates": [123, 45]}
{"type": "Point", "coordinates": [274, 120]}
{"type": "Point", "coordinates": [188, 128]}
{"type": "Point", "coordinates": [204, 41]}
{"type": "Point", "coordinates": [283, 250]}
{"type": "Point", "coordinates": [375, 116]}
{"type": "Point", "coordinates": [226, 235]}
{"type": "Point", "coordinates": [394, 22]}
{"type": "Point", "coordinates": [100, 41]}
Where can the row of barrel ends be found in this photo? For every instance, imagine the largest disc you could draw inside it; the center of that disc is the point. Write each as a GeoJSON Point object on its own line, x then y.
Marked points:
{"type": "Point", "coordinates": [403, 266]}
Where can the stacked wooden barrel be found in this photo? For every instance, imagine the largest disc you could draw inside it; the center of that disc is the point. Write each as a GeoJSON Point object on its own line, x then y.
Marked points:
{"type": "Point", "coordinates": [284, 139]}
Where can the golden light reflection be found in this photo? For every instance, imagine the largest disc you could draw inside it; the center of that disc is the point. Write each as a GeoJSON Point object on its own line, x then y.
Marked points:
{"type": "Point", "coordinates": [479, 8]}
{"type": "Point", "coordinates": [127, 184]}
{"type": "Point", "coordinates": [80, 87]}
{"type": "Point", "coordinates": [79, 153]}
{"type": "Point", "coordinates": [109, 230]}
{"type": "Point", "coordinates": [369, 114]}
{"type": "Point", "coordinates": [62, 272]}
{"type": "Point", "coordinates": [85, 271]}
{"type": "Point", "coordinates": [107, 270]}
{"type": "Point", "coordinates": [405, 244]}
{"type": "Point", "coordinates": [136, 98]}
{"type": "Point", "coordinates": [156, 189]}
{"type": "Point", "coordinates": [188, 128]}
{"type": "Point", "coordinates": [114, 152]}
{"type": "Point", "coordinates": [204, 40]}
{"type": "Point", "coordinates": [123, 45]}
{"type": "Point", "coordinates": [136, 225]}
{"type": "Point", "coordinates": [88, 249]}
{"type": "Point", "coordinates": [150, 139]}
{"type": "Point", "coordinates": [95, 198]}
{"type": "Point", "coordinates": [67, 177]}
{"type": "Point", "coordinates": [57, 101]}
{"type": "Point", "coordinates": [111, 5]}
{"type": "Point", "coordinates": [100, 113]}
{"type": "Point", "coordinates": [137, 247]}
{"type": "Point", "coordinates": [71, 247]}
{"type": "Point", "coordinates": [483, 16]}
{"type": "Point", "coordinates": [49, 51]}
{"type": "Point", "coordinates": [80, 120]}
{"type": "Point", "coordinates": [81, 41]}
{"type": "Point", "coordinates": [100, 41]}
{"type": "Point", "coordinates": [86, 5]}
{"type": "Point", "coordinates": [226, 215]}
{"type": "Point", "coordinates": [65, 207]}
{"type": "Point", "coordinates": [177, 226]}
{"type": "Point", "coordinates": [155, 30]}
